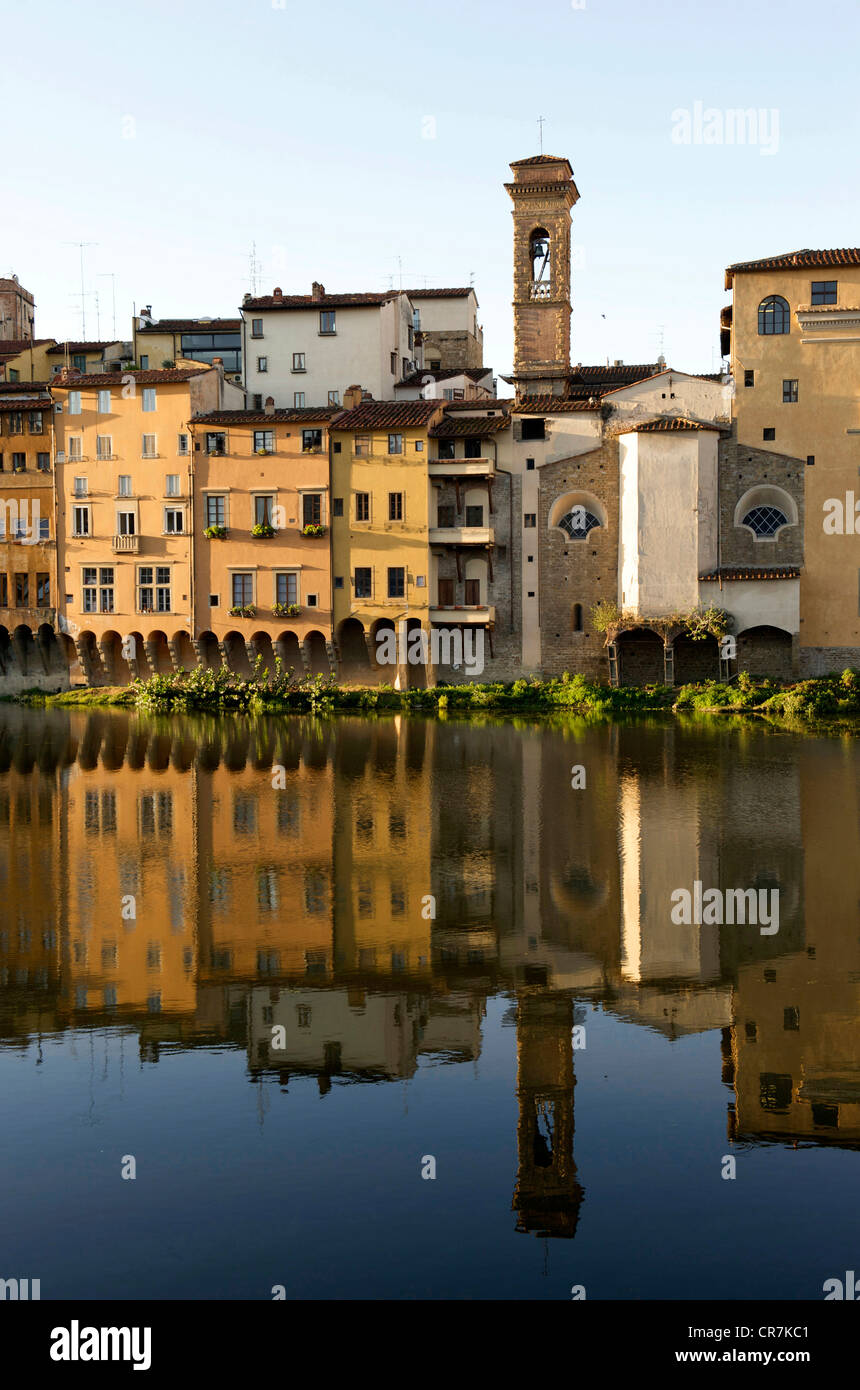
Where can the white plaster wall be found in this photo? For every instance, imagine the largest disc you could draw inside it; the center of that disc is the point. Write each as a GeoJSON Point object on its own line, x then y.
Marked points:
{"type": "Point", "coordinates": [628, 551]}
{"type": "Point", "coordinates": [667, 523]}
{"type": "Point", "coordinates": [447, 315]}
{"type": "Point", "coordinates": [757, 602]}
{"type": "Point", "coordinates": [673, 393]}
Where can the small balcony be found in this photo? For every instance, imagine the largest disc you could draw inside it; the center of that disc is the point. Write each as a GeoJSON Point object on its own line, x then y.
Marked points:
{"type": "Point", "coordinates": [126, 545]}
{"type": "Point", "coordinates": [462, 535]}
{"type": "Point", "coordinates": [465, 615]}
{"type": "Point", "coordinates": [462, 468]}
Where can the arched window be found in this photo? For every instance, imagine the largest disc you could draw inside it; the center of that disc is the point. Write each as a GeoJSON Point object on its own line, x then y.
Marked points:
{"type": "Point", "coordinates": [774, 315]}
{"type": "Point", "coordinates": [576, 618]}
{"type": "Point", "coordinates": [764, 522]}
{"type": "Point", "coordinates": [578, 522]}
{"type": "Point", "coordinates": [539, 259]}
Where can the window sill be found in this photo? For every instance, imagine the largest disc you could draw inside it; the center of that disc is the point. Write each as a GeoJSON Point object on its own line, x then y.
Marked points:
{"type": "Point", "coordinates": [323, 334]}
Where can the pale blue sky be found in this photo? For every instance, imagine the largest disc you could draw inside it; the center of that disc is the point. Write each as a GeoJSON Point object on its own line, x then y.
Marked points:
{"type": "Point", "coordinates": [300, 128]}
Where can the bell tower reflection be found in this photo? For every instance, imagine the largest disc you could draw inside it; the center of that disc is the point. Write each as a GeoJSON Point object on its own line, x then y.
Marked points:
{"type": "Point", "coordinates": [548, 1195]}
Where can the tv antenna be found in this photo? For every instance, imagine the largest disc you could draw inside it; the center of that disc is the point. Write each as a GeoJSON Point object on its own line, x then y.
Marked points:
{"type": "Point", "coordinates": [109, 275]}
{"type": "Point", "coordinates": [541, 120]}
{"type": "Point", "coordinates": [80, 245]}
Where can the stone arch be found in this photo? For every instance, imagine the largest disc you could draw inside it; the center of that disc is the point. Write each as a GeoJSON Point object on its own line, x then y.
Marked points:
{"type": "Point", "coordinates": [288, 648]}
{"type": "Point", "coordinates": [25, 649]}
{"type": "Point", "coordinates": [381, 625]}
{"type": "Point", "coordinates": [209, 651]}
{"type": "Point", "coordinates": [352, 644]}
{"type": "Point", "coordinates": [183, 650]}
{"type": "Point", "coordinates": [49, 646]}
{"type": "Point", "coordinates": [317, 654]}
{"type": "Point", "coordinates": [158, 653]}
{"type": "Point", "coordinates": [766, 651]}
{"type": "Point", "coordinates": [563, 505]}
{"type": "Point", "coordinates": [236, 654]}
{"type": "Point", "coordinates": [641, 657]}
{"type": "Point", "coordinates": [69, 656]}
{"type": "Point", "coordinates": [7, 655]}
{"type": "Point", "coordinates": [117, 669]}
{"type": "Point", "coordinates": [261, 644]}
{"type": "Point", "coordinates": [90, 658]}
{"type": "Point", "coordinates": [766, 495]}
{"type": "Point", "coordinates": [416, 672]}
{"type": "Point", "coordinates": [696, 661]}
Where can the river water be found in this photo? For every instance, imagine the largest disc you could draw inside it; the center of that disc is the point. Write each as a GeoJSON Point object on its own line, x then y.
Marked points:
{"type": "Point", "coordinates": [398, 1008]}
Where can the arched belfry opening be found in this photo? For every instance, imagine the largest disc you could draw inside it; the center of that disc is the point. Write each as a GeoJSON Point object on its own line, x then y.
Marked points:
{"type": "Point", "coordinates": [543, 193]}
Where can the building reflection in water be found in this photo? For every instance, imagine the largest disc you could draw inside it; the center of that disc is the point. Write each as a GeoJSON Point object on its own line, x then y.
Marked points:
{"type": "Point", "coordinates": [362, 902]}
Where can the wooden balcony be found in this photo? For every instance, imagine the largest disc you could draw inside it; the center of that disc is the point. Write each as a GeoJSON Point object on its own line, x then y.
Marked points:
{"type": "Point", "coordinates": [126, 545]}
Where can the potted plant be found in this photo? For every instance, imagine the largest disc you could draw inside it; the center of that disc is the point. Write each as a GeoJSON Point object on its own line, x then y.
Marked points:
{"type": "Point", "coordinates": [286, 610]}
{"type": "Point", "coordinates": [215, 532]}
{"type": "Point", "coordinates": [312, 530]}
{"type": "Point", "coordinates": [263, 530]}
{"type": "Point", "coordinates": [262, 451]}
{"type": "Point", "coordinates": [246, 610]}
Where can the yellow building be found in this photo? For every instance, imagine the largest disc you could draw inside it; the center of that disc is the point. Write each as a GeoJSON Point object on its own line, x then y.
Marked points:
{"type": "Point", "coordinates": [178, 341]}
{"type": "Point", "coordinates": [381, 518]}
{"type": "Point", "coordinates": [792, 331]}
{"type": "Point", "coordinates": [261, 538]}
{"type": "Point", "coordinates": [26, 359]}
{"type": "Point", "coordinates": [124, 470]}
{"type": "Point", "coordinates": [28, 549]}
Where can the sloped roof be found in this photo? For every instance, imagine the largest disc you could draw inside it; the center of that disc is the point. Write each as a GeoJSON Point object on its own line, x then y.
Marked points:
{"type": "Point", "coordinates": [387, 415]}
{"type": "Point", "coordinates": [470, 425]}
{"type": "Point", "coordinates": [192, 325]}
{"type": "Point", "coordinates": [162, 376]}
{"type": "Point", "coordinates": [324, 301]}
{"type": "Point", "coordinates": [807, 259]}
{"type": "Point", "coordinates": [310, 415]}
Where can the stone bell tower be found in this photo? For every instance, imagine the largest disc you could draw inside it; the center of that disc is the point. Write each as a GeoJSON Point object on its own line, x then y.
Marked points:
{"type": "Point", "coordinates": [543, 193]}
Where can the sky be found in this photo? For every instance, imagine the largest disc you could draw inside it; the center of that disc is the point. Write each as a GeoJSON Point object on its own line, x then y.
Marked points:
{"type": "Point", "coordinates": [366, 145]}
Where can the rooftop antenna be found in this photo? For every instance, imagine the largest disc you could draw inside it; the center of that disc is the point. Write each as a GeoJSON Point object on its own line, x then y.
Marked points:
{"type": "Point", "coordinates": [80, 245]}
{"type": "Point", "coordinates": [472, 279]}
{"type": "Point", "coordinates": [541, 120]}
{"type": "Point", "coordinates": [254, 267]}
{"type": "Point", "coordinates": [109, 275]}
{"type": "Point", "coordinates": [660, 335]}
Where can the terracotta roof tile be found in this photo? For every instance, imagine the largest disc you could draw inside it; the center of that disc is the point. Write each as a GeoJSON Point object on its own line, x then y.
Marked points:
{"type": "Point", "coordinates": [32, 402]}
{"type": "Point", "coordinates": [192, 326]}
{"type": "Point", "coordinates": [19, 386]}
{"type": "Point", "coordinates": [750, 572]}
{"type": "Point", "coordinates": [668, 424]}
{"type": "Point", "coordinates": [490, 403]}
{"type": "Point", "coordinates": [553, 405]}
{"type": "Point", "coordinates": [807, 259]}
{"type": "Point", "coordinates": [427, 374]}
{"type": "Point", "coordinates": [62, 348]}
{"type": "Point", "coordinates": [162, 376]}
{"type": "Point", "coordinates": [383, 415]}
{"type": "Point", "coordinates": [460, 293]}
{"type": "Point", "coordinates": [470, 425]}
{"type": "Point", "coordinates": [312, 414]}
{"type": "Point", "coordinates": [10, 347]}
{"type": "Point", "coordinates": [325, 301]}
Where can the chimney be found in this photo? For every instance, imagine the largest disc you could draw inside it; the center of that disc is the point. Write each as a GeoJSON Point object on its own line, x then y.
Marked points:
{"type": "Point", "coordinates": [277, 292]}
{"type": "Point", "coordinates": [269, 406]}
{"type": "Point", "coordinates": [618, 362]}
{"type": "Point", "coordinates": [352, 396]}
{"type": "Point", "coordinates": [317, 290]}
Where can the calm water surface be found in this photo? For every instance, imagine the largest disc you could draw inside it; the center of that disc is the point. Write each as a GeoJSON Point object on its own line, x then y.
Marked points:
{"type": "Point", "coordinates": [283, 963]}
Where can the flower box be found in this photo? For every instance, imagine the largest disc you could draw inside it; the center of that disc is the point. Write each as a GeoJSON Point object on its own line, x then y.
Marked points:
{"type": "Point", "coordinates": [286, 610]}
{"type": "Point", "coordinates": [215, 532]}
{"type": "Point", "coordinates": [313, 531]}
{"type": "Point", "coordinates": [263, 531]}
{"type": "Point", "coordinates": [246, 611]}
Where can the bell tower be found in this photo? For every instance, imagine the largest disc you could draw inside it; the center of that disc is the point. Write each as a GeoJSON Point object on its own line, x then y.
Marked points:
{"type": "Point", "coordinates": [543, 193]}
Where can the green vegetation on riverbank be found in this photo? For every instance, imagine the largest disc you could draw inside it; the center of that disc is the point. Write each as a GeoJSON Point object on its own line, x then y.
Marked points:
{"type": "Point", "coordinates": [835, 697]}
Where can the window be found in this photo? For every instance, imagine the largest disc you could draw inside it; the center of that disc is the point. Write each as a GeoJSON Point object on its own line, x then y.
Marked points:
{"type": "Point", "coordinates": [287, 587]}
{"type": "Point", "coordinates": [263, 510]}
{"type": "Point", "coordinates": [824, 291]}
{"type": "Point", "coordinates": [396, 581]}
{"type": "Point", "coordinates": [530, 465]}
{"type": "Point", "coordinates": [216, 443]}
{"type": "Point", "coordinates": [22, 590]}
{"type": "Point", "coordinates": [106, 589]}
{"type": "Point", "coordinates": [395, 506]}
{"type": "Point", "coordinates": [578, 522]}
{"type": "Point", "coordinates": [19, 463]}
{"type": "Point", "coordinates": [362, 445]}
{"type": "Point", "coordinates": [334, 398]}
{"type": "Point", "coordinates": [446, 449]}
{"type": "Point", "coordinates": [153, 597]}
{"type": "Point", "coordinates": [43, 591]}
{"type": "Point", "coordinates": [80, 521]}
{"type": "Point", "coordinates": [215, 511]}
{"type": "Point", "coordinates": [256, 328]}
{"type": "Point", "coordinates": [144, 361]}
{"type": "Point", "coordinates": [103, 406]}
{"type": "Point", "coordinates": [327, 321]}
{"type": "Point", "coordinates": [773, 315]}
{"type": "Point", "coordinates": [768, 434]}
{"type": "Point", "coordinates": [445, 515]}
{"type": "Point", "coordinates": [312, 509]}
{"type": "Point", "coordinates": [445, 592]}
{"type": "Point", "coordinates": [311, 441]}
{"type": "Point", "coordinates": [472, 592]}
{"type": "Point", "coordinates": [16, 422]}
{"type": "Point", "coordinates": [80, 487]}
{"type": "Point", "coordinates": [258, 402]}
{"type": "Point", "coordinates": [126, 523]}
{"type": "Point", "coordinates": [789, 392]}
{"type": "Point", "coordinates": [395, 444]}
{"type": "Point", "coordinates": [264, 441]}
{"type": "Point", "coordinates": [362, 506]}
{"type": "Point", "coordinates": [34, 422]}
{"type": "Point", "coordinates": [4, 591]}
{"type": "Point", "coordinates": [473, 448]}
{"type": "Point", "coordinates": [299, 362]}
{"type": "Point", "coordinates": [88, 589]}
{"type": "Point", "coordinates": [298, 400]}
{"type": "Point", "coordinates": [405, 364]}
{"type": "Point", "coordinates": [171, 485]}
{"type": "Point", "coordinates": [104, 446]}
{"type": "Point", "coordinates": [576, 618]}
{"type": "Point", "coordinates": [474, 516]}
{"type": "Point", "coordinates": [749, 377]}
{"type": "Point", "coordinates": [262, 364]}
{"type": "Point", "coordinates": [43, 462]}
{"type": "Point", "coordinates": [337, 506]}
{"type": "Point", "coordinates": [79, 361]}
{"type": "Point", "coordinates": [149, 446]}
{"type": "Point", "coordinates": [394, 364]}
{"type": "Point", "coordinates": [123, 485]}
{"type": "Point", "coordinates": [533, 428]}
{"type": "Point", "coordinates": [529, 519]}
{"type": "Point", "coordinates": [74, 404]}
{"type": "Point", "coordinates": [44, 528]}
{"type": "Point", "coordinates": [419, 446]}
{"type": "Point", "coordinates": [242, 590]}
{"type": "Point", "coordinates": [148, 403]}
{"type": "Point", "coordinates": [363, 581]}
{"type": "Point", "coordinates": [76, 447]}
{"type": "Point", "coordinates": [173, 521]}
{"type": "Point", "coordinates": [764, 522]}
{"type": "Point", "coordinates": [338, 583]}
{"type": "Point", "coordinates": [182, 444]}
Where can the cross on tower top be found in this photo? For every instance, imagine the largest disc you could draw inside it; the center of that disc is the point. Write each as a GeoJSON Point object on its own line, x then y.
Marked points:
{"type": "Point", "coordinates": [540, 121]}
